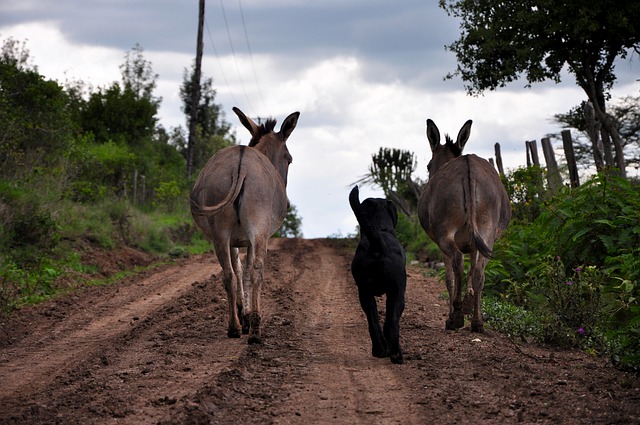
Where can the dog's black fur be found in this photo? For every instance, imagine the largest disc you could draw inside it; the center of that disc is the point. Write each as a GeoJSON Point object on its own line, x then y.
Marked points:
{"type": "Point", "coordinates": [378, 268]}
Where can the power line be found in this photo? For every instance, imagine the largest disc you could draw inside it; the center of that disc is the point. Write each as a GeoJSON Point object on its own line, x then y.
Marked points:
{"type": "Point", "coordinates": [235, 58]}
{"type": "Point", "coordinates": [255, 74]}
{"type": "Point", "coordinates": [224, 76]}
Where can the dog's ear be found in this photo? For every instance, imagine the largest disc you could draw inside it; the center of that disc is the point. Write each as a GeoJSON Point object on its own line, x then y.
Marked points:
{"type": "Point", "coordinates": [393, 212]}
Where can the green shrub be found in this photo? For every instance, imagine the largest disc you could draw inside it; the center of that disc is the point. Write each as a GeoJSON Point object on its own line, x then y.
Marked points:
{"type": "Point", "coordinates": [415, 241]}
{"type": "Point", "coordinates": [589, 236]}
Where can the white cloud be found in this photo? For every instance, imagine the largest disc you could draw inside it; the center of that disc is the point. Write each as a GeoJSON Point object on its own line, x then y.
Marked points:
{"type": "Point", "coordinates": [348, 108]}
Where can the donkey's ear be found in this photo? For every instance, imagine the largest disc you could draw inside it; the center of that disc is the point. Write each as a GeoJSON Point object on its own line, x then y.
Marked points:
{"type": "Point", "coordinates": [463, 135]}
{"type": "Point", "coordinates": [433, 134]}
{"type": "Point", "coordinates": [289, 124]}
{"type": "Point", "coordinates": [246, 122]}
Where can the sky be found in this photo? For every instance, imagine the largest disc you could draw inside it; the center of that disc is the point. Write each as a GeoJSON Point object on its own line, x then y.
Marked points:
{"type": "Point", "coordinates": [363, 74]}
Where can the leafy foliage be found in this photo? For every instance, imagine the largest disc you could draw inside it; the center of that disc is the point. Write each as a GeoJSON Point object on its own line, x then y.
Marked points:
{"type": "Point", "coordinates": [576, 267]}
{"type": "Point", "coordinates": [79, 165]}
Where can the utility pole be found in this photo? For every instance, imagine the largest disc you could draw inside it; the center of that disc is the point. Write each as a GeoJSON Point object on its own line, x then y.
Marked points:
{"type": "Point", "coordinates": [195, 92]}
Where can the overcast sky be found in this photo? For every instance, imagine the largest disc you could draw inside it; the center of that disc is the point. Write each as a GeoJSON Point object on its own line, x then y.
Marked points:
{"type": "Point", "coordinates": [364, 74]}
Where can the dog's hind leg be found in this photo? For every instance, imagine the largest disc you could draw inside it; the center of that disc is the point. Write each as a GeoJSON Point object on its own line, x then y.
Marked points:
{"type": "Point", "coordinates": [379, 346]}
{"type": "Point", "coordinates": [395, 307]}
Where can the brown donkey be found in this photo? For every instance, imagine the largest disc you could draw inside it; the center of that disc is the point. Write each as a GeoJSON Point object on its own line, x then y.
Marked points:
{"type": "Point", "coordinates": [239, 200]}
{"type": "Point", "coordinates": [464, 208]}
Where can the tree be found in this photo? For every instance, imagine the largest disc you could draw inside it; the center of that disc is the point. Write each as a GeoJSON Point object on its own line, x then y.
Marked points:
{"type": "Point", "coordinates": [391, 170]}
{"type": "Point", "coordinates": [127, 112]}
{"type": "Point", "coordinates": [212, 132]}
{"type": "Point", "coordinates": [138, 76]}
{"type": "Point", "coordinates": [503, 40]}
{"type": "Point", "coordinates": [292, 224]}
{"type": "Point", "coordinates": [626, 115]}
{"type": "Point", "coordinates": [35, 124]}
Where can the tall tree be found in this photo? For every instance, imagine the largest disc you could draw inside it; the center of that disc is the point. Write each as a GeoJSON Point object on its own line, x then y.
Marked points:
{"type": "Point", "coordinates": [211, 131]}
{"type": "Point", "coordinates": [504, 40]}
{"type": "Point", "coordinates": [35, 123]}
{"type": "Point", "coordinates": [127, 112]}
{"type": "Point", "coordinates": [391, 170]}
{"type": "Point", "coordinates": [626, 114]}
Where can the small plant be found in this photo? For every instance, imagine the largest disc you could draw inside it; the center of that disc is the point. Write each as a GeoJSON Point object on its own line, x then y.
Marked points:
{"type": "Point", "coordinates": [570, 304]}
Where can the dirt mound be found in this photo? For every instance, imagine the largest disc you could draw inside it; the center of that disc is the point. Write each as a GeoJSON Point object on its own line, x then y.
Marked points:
{"type": "Point", "coordinates": [153, 350]}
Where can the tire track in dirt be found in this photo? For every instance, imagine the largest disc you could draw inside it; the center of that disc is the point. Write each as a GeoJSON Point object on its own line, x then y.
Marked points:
{"type": "Point", "coordinates": [142, 335]}
{"type": "Point", "coordinates": [153, 350]}
{"type": "Point", "coordinates": [342, 383]}
{"type": "Point", "coordinates": [65, 345]}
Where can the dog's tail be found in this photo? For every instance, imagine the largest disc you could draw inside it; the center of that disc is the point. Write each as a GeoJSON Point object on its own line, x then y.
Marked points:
{"type": "Point", "coordinates": [372, 234]}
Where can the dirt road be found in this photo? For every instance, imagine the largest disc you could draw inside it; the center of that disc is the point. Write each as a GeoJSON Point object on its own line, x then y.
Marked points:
{"type": "Point", "coordinates": [153, 350]}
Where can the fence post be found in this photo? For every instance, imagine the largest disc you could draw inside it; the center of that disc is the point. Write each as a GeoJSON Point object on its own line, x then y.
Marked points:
{"type": "Point", "coordinates": [533, 145]}
{"type": "Point", "coordinates": [567, 143]}
{"type": "Point", "coordinates": [499, 159]}
{"type": "Point", "coordinates": [553, 175]}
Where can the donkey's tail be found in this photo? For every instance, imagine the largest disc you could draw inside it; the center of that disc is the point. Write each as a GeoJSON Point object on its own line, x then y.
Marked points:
{"type": "Point", "coordinates": [372, 234]}
{"type": "Point", "coordinates": [471, 215]}
{"type": "Point", "coordinates": [237, 181]}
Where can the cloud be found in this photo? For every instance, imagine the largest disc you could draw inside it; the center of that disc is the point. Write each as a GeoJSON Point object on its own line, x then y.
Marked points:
{"type": "Point", "coordinates": [363, 74]}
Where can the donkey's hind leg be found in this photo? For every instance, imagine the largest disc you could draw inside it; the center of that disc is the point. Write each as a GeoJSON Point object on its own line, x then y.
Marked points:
{"type": "Point", "coordinates": [230, 285]}
{"type": "Point", "coordinates": [240, 302]}
{"type": "Point", "coordinates": [476, 273]}
{"type": "Point", "coordinates": [256, 254]}
{"type": "Point", "coordinates": [454, 267]}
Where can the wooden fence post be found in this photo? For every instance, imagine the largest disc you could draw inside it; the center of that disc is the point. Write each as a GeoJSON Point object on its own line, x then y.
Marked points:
{"type": "Point", "coordinates": [567, 143]}
{"type": "Point", "coordinates": [499, 159]}
{"type": "Point", "coordinates": [553, 175]}
{"type": "Point", "coordinates": [533, 146]}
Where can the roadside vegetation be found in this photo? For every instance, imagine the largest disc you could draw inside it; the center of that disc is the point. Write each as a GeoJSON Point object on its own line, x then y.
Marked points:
{"type": "Point", "coordinates": [85, 169]}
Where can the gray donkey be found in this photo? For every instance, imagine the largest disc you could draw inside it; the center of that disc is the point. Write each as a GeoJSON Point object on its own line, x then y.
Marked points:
{"type": "Point", "coordinates": [464, 208]}
{"type": "Point", "coordinates": [239, 200]}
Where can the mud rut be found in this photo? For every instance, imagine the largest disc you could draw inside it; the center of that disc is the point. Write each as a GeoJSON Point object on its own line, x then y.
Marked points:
{"type": "Point", "coordinates": [153, 350]}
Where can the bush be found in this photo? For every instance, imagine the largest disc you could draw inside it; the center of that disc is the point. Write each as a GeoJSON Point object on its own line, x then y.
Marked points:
{"type": "Point", "coordinates": [415, 241]}
{"type": "Point", "coordinates": [576, 267]}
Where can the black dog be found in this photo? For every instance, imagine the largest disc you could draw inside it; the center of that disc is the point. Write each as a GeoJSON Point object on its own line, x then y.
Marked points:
{"type": "Point", "coordinates": [378, 268]}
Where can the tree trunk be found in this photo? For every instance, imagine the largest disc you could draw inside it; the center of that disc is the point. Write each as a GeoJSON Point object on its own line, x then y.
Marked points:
{"type": "Point", "coordinates": [595, 92]}
{"type": "Point", "coordinates": [593, 130]}
{"type": "Point", "coordinates": [195, 92]}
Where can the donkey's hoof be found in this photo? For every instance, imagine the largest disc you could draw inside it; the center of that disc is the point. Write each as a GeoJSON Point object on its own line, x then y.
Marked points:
{"type": "Point", "coordinates": [255, 339]}
{"type": "Point", "coordinates": [246, 324]}
{"type": "Point", "coordinates": [233, 333]}
{"type": "Point", "coordinates": [477, 326]}
{"type": "Point", "coordinates": [453, 323]}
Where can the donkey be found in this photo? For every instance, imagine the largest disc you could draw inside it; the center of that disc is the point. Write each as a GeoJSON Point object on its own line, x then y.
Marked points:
{"type": "Point", "coordinates": [239, 200]}
{"type": "Point", "coordinates": [464, 209]}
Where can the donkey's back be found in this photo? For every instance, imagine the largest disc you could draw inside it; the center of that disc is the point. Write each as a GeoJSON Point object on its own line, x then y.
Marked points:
{"type": "Point", "coordinates": [243, 194]}
{"type": "Point", "coordinates": [465, 202]}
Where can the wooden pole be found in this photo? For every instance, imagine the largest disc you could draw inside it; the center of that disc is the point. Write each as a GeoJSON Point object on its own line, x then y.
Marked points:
{"type": "Point", "coordinates": [553, 175]}
{"type": "Point", "coordinates": [195, 92]}
{"type": "Point", "coordinates": [533, 146]}
{"type": "Point", "coordinates": [499, 158]}
{"type": "Point", "coordinates": [567, 143]}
